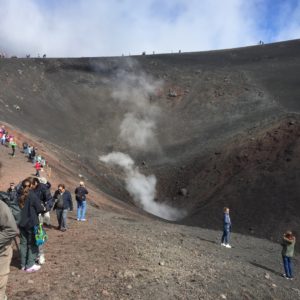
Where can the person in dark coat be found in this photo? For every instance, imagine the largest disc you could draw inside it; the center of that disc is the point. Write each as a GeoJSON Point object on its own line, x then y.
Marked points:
{"type": "Point", "coordinates": [41, 189]}
{"type": "Point", "coordinates": [63, 203]}
{"type": "Point", "coordinates": [12, 191]}
{"type": "Point", "coordinates": [81, 193]}
{"type": "Point", "coordinates": [30, 208]}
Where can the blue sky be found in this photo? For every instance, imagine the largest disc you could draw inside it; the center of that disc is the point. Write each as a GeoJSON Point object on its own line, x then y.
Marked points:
{"type": "Point", "coordinates": [116, 27]}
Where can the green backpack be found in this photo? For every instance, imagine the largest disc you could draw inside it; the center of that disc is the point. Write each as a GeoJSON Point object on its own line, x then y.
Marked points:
{"type": "Point", "coordinates": [41, 236]}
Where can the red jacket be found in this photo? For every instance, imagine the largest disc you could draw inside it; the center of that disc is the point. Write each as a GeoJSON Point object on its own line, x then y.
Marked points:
{"type": "Point", "coordinates": [38, 166]}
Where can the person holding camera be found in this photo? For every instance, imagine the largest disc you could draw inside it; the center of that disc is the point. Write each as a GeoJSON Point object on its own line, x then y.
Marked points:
{"type": "Point", "coordinates": [288, 246]}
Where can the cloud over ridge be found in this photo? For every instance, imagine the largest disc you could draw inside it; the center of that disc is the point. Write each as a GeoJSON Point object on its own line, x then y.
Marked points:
{"type": "Point", "coordinates": [105, 28]}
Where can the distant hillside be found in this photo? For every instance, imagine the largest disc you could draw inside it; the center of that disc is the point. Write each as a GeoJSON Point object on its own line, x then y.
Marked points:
{"type": "Point", "coordinates": [223, 125]}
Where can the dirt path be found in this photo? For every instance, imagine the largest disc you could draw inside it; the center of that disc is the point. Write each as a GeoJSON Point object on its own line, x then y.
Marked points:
{"type": "Point", "coordinates": [122, 256]}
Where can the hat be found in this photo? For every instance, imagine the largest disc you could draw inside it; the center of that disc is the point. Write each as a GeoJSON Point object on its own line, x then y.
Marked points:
{"type": "Point", "coordinates": [43, 180]}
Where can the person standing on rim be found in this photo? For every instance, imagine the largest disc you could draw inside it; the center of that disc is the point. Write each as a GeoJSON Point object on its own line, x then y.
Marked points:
{"type": "Point", "coordinates": [63, 203]}
{"type": "Point", "coordinates": [81, 193]}
{"type": "Point", "coordinates": [226, 228]}
{"type": "Point", "coordinates": [288, 246]}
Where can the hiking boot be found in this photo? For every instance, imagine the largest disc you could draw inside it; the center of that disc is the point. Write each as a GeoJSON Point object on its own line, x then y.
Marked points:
{"type": "Point", "coordinates": [222, 244]}
{"type": "Point", "coordinates": [228, 246]}
{"type": "Point", "coordinates": [284, 275]}
{"type": "Point", "coordinates": [83, 220]}
{"type": "Point", "coordinates": [22, 268]}
{"type": "Point", "coordinates": [34, 268]}
{"type": "Point", "coordinates": [63, 229]}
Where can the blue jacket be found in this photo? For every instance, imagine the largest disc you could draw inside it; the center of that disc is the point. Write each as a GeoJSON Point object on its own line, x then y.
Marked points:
{"type": "Point", "coordinates": [68, 203]}
{"type": "Point", "coordinates": [226, 221]}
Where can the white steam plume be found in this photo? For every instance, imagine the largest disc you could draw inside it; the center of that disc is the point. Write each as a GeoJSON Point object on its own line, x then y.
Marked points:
{"type": "Point", "coordinates": [138, 133]}
{"type": "Point", "coordinates": [142, 188]}
{"type": "Point", "coordinates": [138, 127]}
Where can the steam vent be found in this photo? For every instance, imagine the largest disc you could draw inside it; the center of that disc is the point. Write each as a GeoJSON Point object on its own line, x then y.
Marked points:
{"type": "Point", "coordinates": [163, 142]}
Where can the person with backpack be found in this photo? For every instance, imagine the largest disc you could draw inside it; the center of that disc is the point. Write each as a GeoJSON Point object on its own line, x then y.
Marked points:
{"type": "Point", "coordinates": [8, 231]}
{"type": "Point", "coordinates": [81, 193]}
{"type": "Point", "coordinates": [42, 190]}
{"type": "Point", "coordinates": [30, 208]}
{"type": "Point", "coordinates": [288, 248]}
{"type": "Point", "coordinates": [63, 203]}
{"type": "Point", "coordinates": [32, 154]}
{"type": "Point", "coordinates": [226, 228]}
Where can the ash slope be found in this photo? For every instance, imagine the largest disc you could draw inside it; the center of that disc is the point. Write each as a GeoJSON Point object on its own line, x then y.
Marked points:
{"type": "Point", "coordinates": [218, 111]}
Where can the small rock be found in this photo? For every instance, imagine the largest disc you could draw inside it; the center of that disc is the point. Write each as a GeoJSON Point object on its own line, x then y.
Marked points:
{"type": "Point", "coordinates": [172, 93]}
{"type": "Point", "coordinates": [267, 276]}
{"type": "Point", "coordinates": [161, 263]}
{"type": "Point", "coordinates": [105, 293]}
{"type": "Point", "coordinates": [129, 286]}
{"type": "Point", "coordinates": [30, 281]}
{"type": "Point", "coordinates": [128, 274]}
{"type": "Point", "coordinates": [73, 274]}
{"type": "Point", "coordinates": [274, 285]}
{"type": "Point", "coordinates": [183, 192]}
{"type": "Point", "coordinates": [223, 296]}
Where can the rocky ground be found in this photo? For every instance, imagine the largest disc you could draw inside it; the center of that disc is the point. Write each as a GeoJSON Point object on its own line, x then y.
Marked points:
{"type": "Point", "coordinates": [121, 254]}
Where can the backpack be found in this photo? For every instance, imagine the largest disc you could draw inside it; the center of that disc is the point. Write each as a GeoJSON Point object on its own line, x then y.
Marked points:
{"type": "Point", "coordinates": [40, 234]}
{"type": "Point", "coordinates": [13, 204]}
{"type": "Point", "coordinates": [80, 195]}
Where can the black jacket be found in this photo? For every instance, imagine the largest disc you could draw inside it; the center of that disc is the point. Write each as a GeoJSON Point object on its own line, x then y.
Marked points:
{"type": "Point", "coordinates": [30, 211]}
{"type": "Point", "coordinates": [43, 193]}
{"type": "Point", "coordinates": [68, 203]}
{"type": "Point", "coordinates": [81, 193]}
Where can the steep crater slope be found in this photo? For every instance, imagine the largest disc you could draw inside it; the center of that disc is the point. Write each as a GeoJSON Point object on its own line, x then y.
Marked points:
{"type": "Point", "coordinates": [196, 113]}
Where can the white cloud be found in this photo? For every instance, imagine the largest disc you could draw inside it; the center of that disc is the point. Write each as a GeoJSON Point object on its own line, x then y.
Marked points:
{"type": "Point", "coordinates": [103, 28]}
